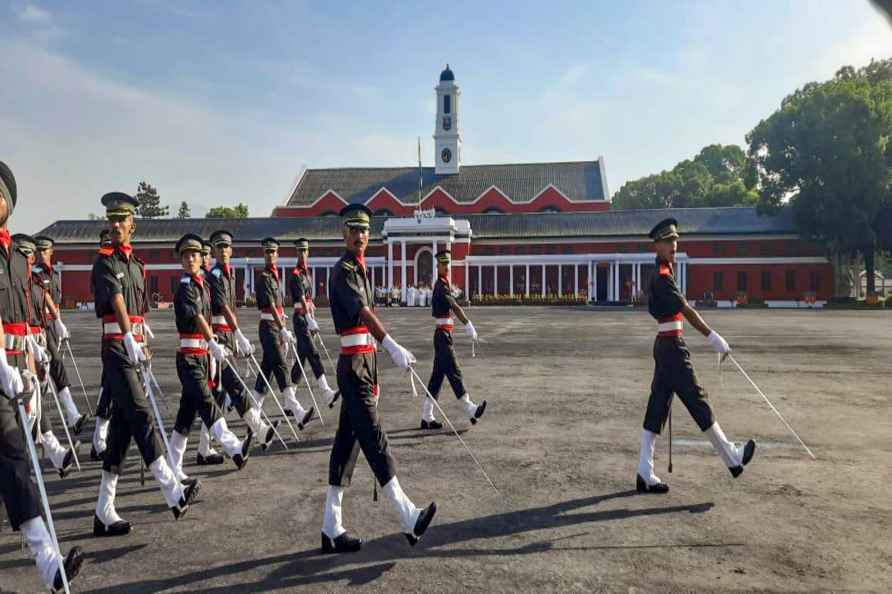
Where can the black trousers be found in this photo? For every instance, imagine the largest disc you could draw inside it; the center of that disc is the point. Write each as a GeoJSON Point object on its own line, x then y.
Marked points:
{"type": "Point", "coordinates": [131, 416]}
{"type": "Point", "coordinates": [445, 366]}
{"type": "Point", "coordinates": [674, 374]}
{"type": "Point", "coordinates": [273, 363]}
{"type": "Point", "coordinates": [359, 425]}
{"type": "Point", "coordinates": [103, 407]}
{"type": "Point", "coordinates": [306, 351]}
{"type": "Point", "coordinates": [57, 368]}
{"type": "Point", "coordinates": [196, 398]}
{"type": "Point", "coordinates": [19, 494]}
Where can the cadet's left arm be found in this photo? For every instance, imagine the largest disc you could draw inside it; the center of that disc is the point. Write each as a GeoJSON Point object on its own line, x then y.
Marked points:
{"type": "Point", "coordinates": [719, 344]}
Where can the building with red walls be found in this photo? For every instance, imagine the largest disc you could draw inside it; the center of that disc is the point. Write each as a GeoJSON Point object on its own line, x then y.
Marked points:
{"type": "Point", "coordinates": [514, 229]}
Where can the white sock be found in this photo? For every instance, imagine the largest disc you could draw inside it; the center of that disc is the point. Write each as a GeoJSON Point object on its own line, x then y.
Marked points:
{"type": "Point", "coordinates": [406, 510]}
{"type": "Point", "coordinates": [54, 449]}
{"type": "Point", "coordinates": [259, 398]}
{"type": "Point", "coordinates": [332, 522]}
{"type": "Point", "coordinates": [100, 434]}
{"type": "Point", "coordinates": [646, 457]}
{"type": "Point", "coordinates": [170, 486]}
{"type": "Point", "coordinates": [427, 409]}
{"type": "Point", "coordinates": [727, 451]}
{"type": "Point", "coordinates": [469, 407]}
{"type": "Point", "coordinates": [232, 445]}
{"type": "Point", "coordinates": [292, 403]}
{"type": "Point", "coordinates": [71, 413]}
{"type": "Point", "coordinates": [105, 504]}
{"type": "Point", "coordinates": [322, 382]}
{"type": "Point", "coordinates": [204, 442]}
{"type": "Point", "coordinates": [178, 443]}
{"type": "Point", "coordinates": [42, 549]}
{"type": "Point", "coordinates": [254, 420]}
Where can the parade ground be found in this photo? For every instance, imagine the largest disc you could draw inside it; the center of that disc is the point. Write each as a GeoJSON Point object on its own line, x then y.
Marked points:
{"type": "Point", "coordinates": [566, 391]}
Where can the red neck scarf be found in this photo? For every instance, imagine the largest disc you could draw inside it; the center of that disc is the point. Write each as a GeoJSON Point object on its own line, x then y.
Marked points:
{"type": "Point", "coordinates": [361, 259]}
{"type": "Point", "coordinates": [300, 269]}
{"type": "Point", "coordinates": [5, 239]}
{"type": "Point", "coordinates": [226, 270]}
{"type": "Point", "coordinates": [127, 250]}
{"type": "Point", "coordinates": [199, 279]}
{"type": "Point", "coordinates": [274, 271]}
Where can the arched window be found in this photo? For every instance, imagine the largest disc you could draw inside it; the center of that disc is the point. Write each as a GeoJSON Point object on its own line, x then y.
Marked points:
{"type": "Point", "coordinates": [550, 209]}
{"type": "Point", "coordinates": [447, 104]}
{"type": "Point", "coordinates": [493, 210]}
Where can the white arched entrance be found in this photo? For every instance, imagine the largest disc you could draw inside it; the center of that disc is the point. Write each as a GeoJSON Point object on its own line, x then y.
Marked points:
{"type": "Point", "coordinates": [423, 270]}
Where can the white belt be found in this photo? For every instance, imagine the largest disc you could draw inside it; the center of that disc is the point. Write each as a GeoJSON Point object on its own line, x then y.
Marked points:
{"type": "Point", "coordinates": [114, 328]}
{"type": "Point", "coordinates": [267, 316]}
{"type": "Point", "coordinates": [445, 322]}
{"type": "Point", "coordinates": [219, 320]}
{"type": "Point", "coordinates": [670, 326]}
{"type": "Point", "coordinates": [193, 343]}
{"type": "Point", "coordinates": [353, 340]}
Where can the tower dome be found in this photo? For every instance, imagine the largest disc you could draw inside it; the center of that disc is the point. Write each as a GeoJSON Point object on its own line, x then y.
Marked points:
{"type": "Point", "coordinates": [447, 74]}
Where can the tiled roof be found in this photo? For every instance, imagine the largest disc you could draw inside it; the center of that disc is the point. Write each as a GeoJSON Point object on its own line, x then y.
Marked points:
{"type": "Point", "coordinates": [613, 223]}
{"type": "Point", "coordinates": [578, 181]}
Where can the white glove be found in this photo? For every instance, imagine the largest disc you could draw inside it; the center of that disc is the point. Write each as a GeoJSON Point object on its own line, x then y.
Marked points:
{"type": "Point", "coordinates": [242, 343]}
{"type": "Point", "coordinates": [286, 336]}
{"type": "Point", "coordinates": [719, 344]}
{"type": "Point", "coordinates": [218, 351]}
{"type": "Point", "coordinates": [38, 352]}
{"type": "Point", "coordinates": [312, 324]}
{"type": "Point", "coordinates": [10, 378]}
{"type": "Point", "coordinates": [61, 329]}
{"type": "Point", "coordinates": [134, 349]}
{"type": "Point", "coordinates": [401, 357]}
{"type": "Point", "coordinates": [148, 330]}
{"type": "Point", "coordinates": [471, 331]}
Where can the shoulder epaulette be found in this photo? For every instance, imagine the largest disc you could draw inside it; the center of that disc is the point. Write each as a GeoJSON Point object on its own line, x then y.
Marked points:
{"type": "Point", "coordinates": [348, 265]}
{"type": "Point", "coordinates": [106, 251]}
{"type": "Point", "coordinates": [216, 272]}
{"type": "Point", "coordinates": [186, 279]}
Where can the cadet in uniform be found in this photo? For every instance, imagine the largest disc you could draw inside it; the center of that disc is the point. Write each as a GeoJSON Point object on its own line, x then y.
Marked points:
{"type": "Point", "coordinates": [103, 405]}
{"type": "Point", "coordinates": [121, 302]}
{"type": "Point", "coordinates": [197, 344]}
{"type": "Point", "coordinates": [225, 325]}
{"type": "Point", "coordinates": [20, 495]}
{"type": "Point", "coordinates": [350, 294]}
{"type": "Point", "coordinates": [304, 320]}
{"type": "Point", "coordinates": [275, 336]}
{"type": "Point", "coordinates": [44, 275]}
{"type": "Point", "coordinates": [443, 305]}
{"type": "Point", "coordinates": [60, 457]}
{"type": "Point", "coordinates": [673, 371]}
{"type": "Point", "coordinates": [207, 455]}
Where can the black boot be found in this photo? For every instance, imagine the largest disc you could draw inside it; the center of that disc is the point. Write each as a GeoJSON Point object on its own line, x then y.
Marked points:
{"type": "Point", "coordinates": [335, 398]}
{"type": "Point", "coordinates": [94, 455]}
{"type": "Point", "coordinates": [242, 458]}
{"type": "Point", "coordinates": [78, 425]}
{"type": "Point", "coordinates": [190, 494]}
{"type": "Point", "coordinates": [68, 460]}
{"type": "Point", "coordinates": [642, 487]}
{"type": "Point", "coordinates": [481, 408]}
{"type": "Point", "coordinates": [431, 424]}
{"type": "Point", "coordinates": [748, 450]}
{"type": "Point", "coordinates": [308, 416]}
{"type": "Point", "coordinates": [209, 460]}
{"type": "Point", "coordinates": [421, 524]}
{"type": "Point", "coordinates": [270, 435]}
{"type": "Point", "coordinates": [73, 561]}
{"type": "Point", "coordinates": [119, 528]}
{"type": "Point", "coordinates": [342, 544]}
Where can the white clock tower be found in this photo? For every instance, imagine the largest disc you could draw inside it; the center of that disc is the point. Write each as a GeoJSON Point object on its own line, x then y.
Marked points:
{"type": "Point", "coordinates": [447, 135]}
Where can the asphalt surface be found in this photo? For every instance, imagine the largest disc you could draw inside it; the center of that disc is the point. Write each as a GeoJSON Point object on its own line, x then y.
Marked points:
{"type": "Point", "coordinates": [566, 389]}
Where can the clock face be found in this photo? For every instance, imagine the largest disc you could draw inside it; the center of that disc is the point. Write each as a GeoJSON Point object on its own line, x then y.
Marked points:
{"type": "Point", "coordinates": [446, 155]}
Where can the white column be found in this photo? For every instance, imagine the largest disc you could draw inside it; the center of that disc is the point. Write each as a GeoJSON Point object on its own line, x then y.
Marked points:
{"type": "Point", "coordinates": [527, 279]}
{"type": "Point", "coordinates": [434, 263]}
{"type": "Point", "coordinates": [593, 267]}
{"type": "Point", "coordinates": [511, 280]}
{"type": "Point", "coordinates": [616, 283]}
{"type": "Point", "coordinates": [495, 279]}
{"type": "Point", "coordinates": [389, 264]}
{"type": "Point", "coordinates": [576, 280]}
{"type": "Point", "coordinates": [560, 279]}
{"type": "Point", "coordinates": [403, 272]}
{"type": "Point", "coordinates": [480, 280]}
{"type": "Point", "coordinates": [467, 278]}
{"type": "Point", "coordinates": [543, 279]}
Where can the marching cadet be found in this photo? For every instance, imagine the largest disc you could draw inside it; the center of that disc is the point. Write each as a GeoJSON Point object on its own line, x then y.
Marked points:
{"type": "Point", "coordinates": [20, 495]}
{"type": "Point", "coordinates": [192, 308]}
{"type": "Point", "coordinates": [121, 302]}
{"type": "Point", "coordinates": [443, 305]}
{"type": "Point", "coordinates": [305, 325]}
{"type": "Point", "coordinates": [275, 336]}
{"type": "Point", "coordinates": [225, 325]}
{"type": "Point", "coordinates": [103, 405]}
{"type": "Point", "coordinates": [60, 457]}
{"type": "Point", "coordinates": [673, 371]}
{"type": "Point", "coordinates": [350, 294]}
{"type": "Point", "coordinates": [206, 455]}
{"type": "Point", "coordinates": [56, 331]}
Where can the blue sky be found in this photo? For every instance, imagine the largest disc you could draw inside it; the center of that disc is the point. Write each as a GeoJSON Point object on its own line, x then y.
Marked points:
{"type": "Point", "coordinates": [221, 102]}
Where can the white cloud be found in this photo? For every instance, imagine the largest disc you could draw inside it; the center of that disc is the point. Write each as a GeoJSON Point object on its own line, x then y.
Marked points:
{"type": "Point", "coordinates": [31, 13]}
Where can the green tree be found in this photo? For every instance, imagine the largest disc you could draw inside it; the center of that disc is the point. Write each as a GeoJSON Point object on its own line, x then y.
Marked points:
{"type": "Point", "coordinates": [827, 153]}
{"type": "Point", "coordinates": [184, 212]}
{"type": "Point", "coordinates": [718, 176]}
{"type": "Point", "coordinates": [239, 211]}
{"type": "Point", "coordinates": [149, 202]}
